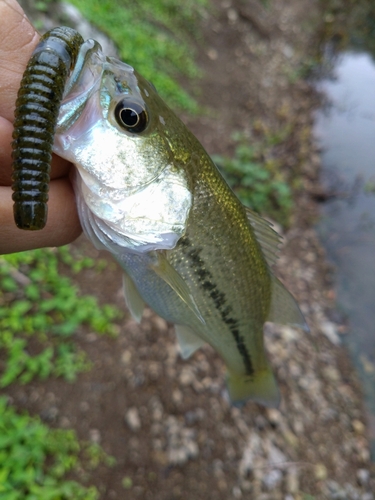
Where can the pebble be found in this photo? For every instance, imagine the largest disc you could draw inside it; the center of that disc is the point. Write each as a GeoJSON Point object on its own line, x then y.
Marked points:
{"type": "Point", "coordinates": [275, 455]}
{"type": "Point", "coordinates": [272, 479]}
{"type": "Point", "coordinates": [95, 436]}
{"type": "Point", "coordinates": [236, 492]}
{"type": "Point", "coordinates": [320, 472]}
{"type": "Point", "coordinates": [49, 414]}
{"type": "Point", "coordinates": [132, 419]}
{"type": "Point", "coordinates": [292, 480]}
{"type": "Point", "coordinates": [368, 496]}
{"type": "Point", "coordinates": [126, 357]}
{"type": "Point", "coordinates": [84, 406]}
{"type": "Point", "coordinates": [194, 416]}
{"type": "Point", "coordinates": [329, 330]}
{"type": "Point", "coordinates": [212, 54]}
{"type": "Point", "coordinates": [187, 376]}
{"type": "Point", "coordinates": [363, 477]}
{"type": "Point", "coordinates": [358, 426]}
{"type": "Point", "coordinates": [177, 396]}
{"type": "Point", "coordinates": [181, 442]}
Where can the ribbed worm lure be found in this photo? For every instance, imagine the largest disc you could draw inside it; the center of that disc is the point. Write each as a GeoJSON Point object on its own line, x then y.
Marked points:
{"type": "Point", "coordinates": [37, 108]}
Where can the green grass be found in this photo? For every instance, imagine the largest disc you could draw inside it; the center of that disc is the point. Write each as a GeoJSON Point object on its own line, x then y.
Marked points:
{"type": "Point", "coordinates": [257, 178]}
{"type": "Point", "coordinates": [34, 460]}
{"type": "Point", "coordinates": [153, 36]}
{"type": "Point", "coordinates": [40, 312]}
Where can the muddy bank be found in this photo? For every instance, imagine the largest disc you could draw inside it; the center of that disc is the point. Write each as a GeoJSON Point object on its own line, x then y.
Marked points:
{"type": "Point", "coordinates": [165, 420]}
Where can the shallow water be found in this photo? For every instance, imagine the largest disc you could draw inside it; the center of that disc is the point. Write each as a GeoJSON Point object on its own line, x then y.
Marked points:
{"type": "Point", "coordinates": [345, 129]}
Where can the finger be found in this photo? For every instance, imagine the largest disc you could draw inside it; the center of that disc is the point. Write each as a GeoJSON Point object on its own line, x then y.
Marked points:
{"type": "Point", "coordinates": [18, 38]}
{"type": "Point", "coordinates": [62, 226]}
{"type": "Point", "coordinates": [60, 167]}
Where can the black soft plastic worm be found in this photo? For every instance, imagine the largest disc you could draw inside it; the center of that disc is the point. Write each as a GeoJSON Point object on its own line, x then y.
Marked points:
{"type": "Point", "coordinates": [37, 109]}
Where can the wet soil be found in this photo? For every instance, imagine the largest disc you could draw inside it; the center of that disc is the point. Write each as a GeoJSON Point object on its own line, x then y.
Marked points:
{"type": "Point", "coordinates": [167, 421]}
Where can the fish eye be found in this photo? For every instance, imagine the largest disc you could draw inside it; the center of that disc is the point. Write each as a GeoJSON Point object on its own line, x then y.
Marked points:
{"type": "Point", "coordinates": [131, 116]}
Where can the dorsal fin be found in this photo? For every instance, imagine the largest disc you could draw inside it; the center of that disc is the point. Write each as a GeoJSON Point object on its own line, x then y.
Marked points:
{"type": "Point", "coordinates": [267, 238]}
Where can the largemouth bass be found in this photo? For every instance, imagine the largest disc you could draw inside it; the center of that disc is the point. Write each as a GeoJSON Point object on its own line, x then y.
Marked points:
{"type": "Point", "coordinates": [149, 193]}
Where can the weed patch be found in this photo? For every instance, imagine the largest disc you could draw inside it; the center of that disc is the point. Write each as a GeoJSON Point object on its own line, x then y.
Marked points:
{"type": "Point", "coordinates": [27, 446]}
{"type": "Point", "coordinates": [40, 311]}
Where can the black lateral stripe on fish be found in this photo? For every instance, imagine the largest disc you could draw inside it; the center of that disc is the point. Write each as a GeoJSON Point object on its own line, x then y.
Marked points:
{"type": "Point", "coordinates": [219, 299]}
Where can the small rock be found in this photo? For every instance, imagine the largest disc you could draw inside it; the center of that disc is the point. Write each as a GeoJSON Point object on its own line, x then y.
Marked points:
{"type": "Point", "coordinates": [352, 492]}
{"type": "Point", "coordinates": [274, 416]}
{"type": "Point", "coordinates": [186, 376]}
{"type": "Point", "coordinates": [288, 51]}
{"type": "Point", "coordinates": [363, 477]}
{"type": "Point", "coordinates": [160, 323]}
{"type": "Point", "coordinates": [358, 426]}
{"type": "Point", "coordinates": [320, 472]}
{"type": "Point", "coordinates": [368, 496]}
{"type": "Point", "coordinates": [329, 329]}
{"type": "Point", "coordinates": [331, 374]}
{"type": "Point", "coordinates": [177, 396]}
{"type": "Point", "coordinates": [232, 15]}
{"type": "Point", "coordinates": [273, 479]}
{"type": "Point", "coordinates": [84, 406]}
{"type": "Point", "coordinates": [289, 334]}
{"type": "Point", "coordinates": [64, 422]}
{"type": "Point", "coordinates": [91, 337]}
{"type": "Point", "coordinates": [49, 414]}
{"type": "Point", "coordinates": [334, 491]}
{"type": "Point", "coordinates": [292, 480]}
{"type": "Point", "coordinates": [177, 456]}
{"type": "Point", "coordinates": [126, 356]}
{"type": "Point", "coordinates": [276, 456]}
{"type": "Point", "coordinates": [194, 416]}
{"type": "Point", "coordinates": [212, 54]}
{"type": "Point", "coordinates": [236, 492]}
{"type": "Point", "coordinates": [94, 435]}
{"type": "Point", "coordinates": [132, 419]}
{"type": "Point", "coordinates": [260, 422]}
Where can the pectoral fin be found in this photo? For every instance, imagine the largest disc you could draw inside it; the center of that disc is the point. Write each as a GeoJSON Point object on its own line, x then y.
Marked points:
{"type": "Point", "coordinates": [165, 271]}
{"type": "Point", "coordinates": [133, 300]}
{"type": "Point", "coordinates": [284, 309]}
{"type": "Point", "coordinates": [260, 387]}
{"type": "Point", "coordinates": [188, 341]}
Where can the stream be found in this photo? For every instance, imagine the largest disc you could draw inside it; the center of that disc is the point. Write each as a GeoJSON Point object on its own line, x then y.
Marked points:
{"type": "Point", "coordinates": [345, 131]}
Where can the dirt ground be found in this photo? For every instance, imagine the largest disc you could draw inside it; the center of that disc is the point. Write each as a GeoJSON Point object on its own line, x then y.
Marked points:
{"type": "Point", "coordinates": [165, 420]}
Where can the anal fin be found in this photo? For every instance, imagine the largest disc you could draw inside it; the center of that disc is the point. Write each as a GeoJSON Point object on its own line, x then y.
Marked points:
{"type": "Point", "coordinates": [133, 299]}
{"type": "Point", "coordinates": [165, 271]}
{"type": "Point", "coordinates": [284, 309]}
{"type": "Point", "coordinates": [188, 341]}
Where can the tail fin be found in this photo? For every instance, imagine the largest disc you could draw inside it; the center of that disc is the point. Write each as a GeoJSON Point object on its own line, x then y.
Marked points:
{"type": "Point", "coordinates": [260, 387]}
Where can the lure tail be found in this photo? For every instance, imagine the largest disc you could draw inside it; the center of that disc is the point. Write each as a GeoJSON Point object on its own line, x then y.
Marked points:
{"type": "Point", "coordinates": [37, 109]}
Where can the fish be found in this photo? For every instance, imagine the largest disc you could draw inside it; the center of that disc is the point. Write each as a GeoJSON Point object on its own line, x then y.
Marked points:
{"type": "Point", "coordinates": [149, 193]}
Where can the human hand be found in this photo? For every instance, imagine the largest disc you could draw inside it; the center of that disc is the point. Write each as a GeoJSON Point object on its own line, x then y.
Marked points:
{"type": "Point", "coordinates": [17, 41]}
